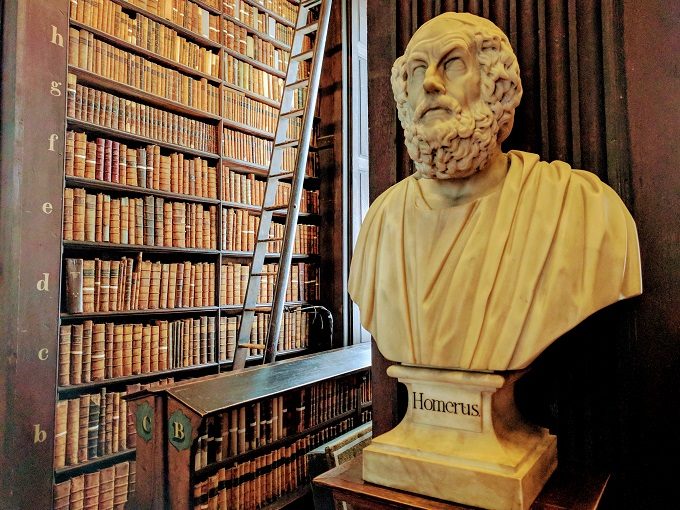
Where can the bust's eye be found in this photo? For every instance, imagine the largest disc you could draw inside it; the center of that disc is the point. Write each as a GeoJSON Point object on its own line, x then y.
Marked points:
{"type": "Point", "coordinates": [418, 72]}
{"type": "Point", "coordinates": [454, 66]}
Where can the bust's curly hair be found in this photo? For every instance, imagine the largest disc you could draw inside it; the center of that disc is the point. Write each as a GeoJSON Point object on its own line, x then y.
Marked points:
{"type": "Point", "coordinates": [501, 87]}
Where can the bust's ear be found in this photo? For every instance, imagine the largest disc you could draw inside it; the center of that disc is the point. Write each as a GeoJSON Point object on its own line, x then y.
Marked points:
{"type": "Point", "coordinates": [505, 129]}
{"type": "Point", "coordinates": [398, 79]}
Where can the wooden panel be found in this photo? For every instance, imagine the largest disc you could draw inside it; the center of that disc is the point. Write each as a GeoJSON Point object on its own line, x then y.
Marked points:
{"type": "Point", "coordinates": [32, 179]}
{"type": "Point", "coordinates": [650, 32]}
{"type": "Point", "coordinates": [208, 396]}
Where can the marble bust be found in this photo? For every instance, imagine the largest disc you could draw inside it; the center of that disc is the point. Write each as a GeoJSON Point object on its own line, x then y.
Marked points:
{"type": "Point", "coordinates": [481, 259]}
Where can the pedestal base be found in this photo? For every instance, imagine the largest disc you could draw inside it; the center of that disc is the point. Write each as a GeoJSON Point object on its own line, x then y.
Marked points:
{"type": "Point", "coordinates": [462, 440]}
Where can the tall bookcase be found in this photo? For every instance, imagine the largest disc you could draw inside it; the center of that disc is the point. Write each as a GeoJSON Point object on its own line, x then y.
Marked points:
{"type": "Point", "coordinates": [135, 141]}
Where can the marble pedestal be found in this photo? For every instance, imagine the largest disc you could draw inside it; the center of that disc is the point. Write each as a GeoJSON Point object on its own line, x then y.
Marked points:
{"type": "Point", "coordinates": [462, 440]}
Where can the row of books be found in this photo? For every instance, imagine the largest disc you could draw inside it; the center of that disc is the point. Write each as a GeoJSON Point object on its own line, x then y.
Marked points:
{"type": "Point", "coordinates": [236, 38]}
{"type": "Point", "coordinates": [106, 489]}
{"type": "Point", "coordinates": [303, 284]}
{"type": "Point", "coordinates": [238, 107]}
{"type": "Point", "coordinates": [256, 482]}
{"type": "Point", "coordinates": [245, 147]}
{"type": "Point", "coordinates": [107, 160]}
{"type": "Point", "coordinates": [260, 22]}
{"type": "Point", "coordinates": [107, 110]}
{"type": "Point", "coordinates": [239, 230]}
{"type": "Point", "coordinates": [92, 426]}
{"type": "Point", "coordinates": [109, 17]}
{"type": "Point", "coordinates": [99, 57]}
{"type": "Point", "coordinates": [247, 427]}
{"type": "Point", "coordinates": [135, 284]}
{"type": "Point", "coordinates": [91, 352]}
{"type": "Point", "coordinates": [328, 399]}
{"type": "Point", "coordinates": [147, 221]}
{"type": "Point", "coordinates": [246, 189]}
{"type": "Point", "coordinates": [283, 8]}
{"type": "Point", "coordinates": [246, 76]}
{"type": "Point", "coordinates": [186, 14]}
{"type": "Point", "coordinates": [294, 334]}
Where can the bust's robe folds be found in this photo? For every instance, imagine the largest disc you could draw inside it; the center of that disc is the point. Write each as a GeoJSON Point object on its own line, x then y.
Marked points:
{"type": "Point", "coordinates": [489, 284]}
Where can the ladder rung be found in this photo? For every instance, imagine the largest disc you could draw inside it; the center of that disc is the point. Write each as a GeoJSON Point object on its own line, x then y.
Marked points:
{"type": "Point", "coordinates": [264, 273]}
{"type": "Point", "coordinates": [287, 143]}
{"type": "Point", "coordinates": [311, 3]}
{"type": "Point", "coordinates": [256, 308]}
{"type": "Point", "coordinates": [312, 27]}
{"type": "Point", "coordinates": [282, 175]}
{"type": "Point", "coordinates": [252, 346]}
{"type": "Point", "coordinates": [278, 207]}
{"type": "Point", "coordinates": [300, 57]}
{"type": "Point", "coordinates": [298, 84]}
{"type": "Point", "coordinates": [293, 113]}
{"type": "Point", "coordinates": [273, 239]}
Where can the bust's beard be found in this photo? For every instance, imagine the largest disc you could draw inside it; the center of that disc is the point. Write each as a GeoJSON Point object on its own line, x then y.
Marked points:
{"type": "Point", "coordinates": [456, 147]}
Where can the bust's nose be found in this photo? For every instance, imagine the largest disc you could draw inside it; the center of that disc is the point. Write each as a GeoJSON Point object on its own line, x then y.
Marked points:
{"type": "Point", "coordinates": [433, 83]}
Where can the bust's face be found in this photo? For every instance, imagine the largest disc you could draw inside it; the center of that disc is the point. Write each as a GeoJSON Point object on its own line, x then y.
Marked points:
{"type": "Point", "coordinates": [442, 75]}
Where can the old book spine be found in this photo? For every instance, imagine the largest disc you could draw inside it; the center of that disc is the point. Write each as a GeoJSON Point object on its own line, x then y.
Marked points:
{"type": "Point", "coordinates": [64, 370]}
{"type": "Point", "coordinates": [83, 427]}
{"type": "Point", "coordinates": [127, 349]}
{"type": "Point", "coordinates": [62, 495]}
{"type": "Point", "coordinates": [74, 285]}
{"type": "Point", "coordinates": [67, 231]}
{"type": "Point", "coordinates": [72, 423]}
{"type": "Point", "coordinates": [106, 484]}
{"type": "Point", "coordinates": [137, 339]}
{"type": "Point", "coordinates": [91, 501]}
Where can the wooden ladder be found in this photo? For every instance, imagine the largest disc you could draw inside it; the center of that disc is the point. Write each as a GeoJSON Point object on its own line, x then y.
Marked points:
{"type": "Point", "coordinates": [289, 113]}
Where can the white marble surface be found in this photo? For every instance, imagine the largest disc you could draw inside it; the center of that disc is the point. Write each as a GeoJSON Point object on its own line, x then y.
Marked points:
{"type": "Point", "coordinates": [462, 440]}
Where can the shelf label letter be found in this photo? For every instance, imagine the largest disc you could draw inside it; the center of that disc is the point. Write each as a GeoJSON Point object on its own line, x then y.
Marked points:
{"type": "Point", "coordinates": [180, 430]}
{"type": "Point", "coordinates": [43, 354]}
{"type": "Point", "coordinates": [145, 421]}
{"type": "Point", "coordinates": [53, 138]}
{"type": "Point", "coordinates": [54, 88]}
{"type": "Point", "coordinates": [47, 208]}
{"type": "Point", "coordinates": [39, 435]}
{"type": "Point", "coordinates": [57, 38]}
{"type": "Point", "coordinates": [44, 284]}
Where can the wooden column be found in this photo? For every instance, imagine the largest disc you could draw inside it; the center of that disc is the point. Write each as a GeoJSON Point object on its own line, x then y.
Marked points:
{"type": "Point", "coordinates": [35, 37]}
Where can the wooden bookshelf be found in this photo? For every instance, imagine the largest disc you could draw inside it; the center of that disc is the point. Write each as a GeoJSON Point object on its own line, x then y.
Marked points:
{"type": "Point", "coordinates": [320, 396]}
{"type": "Point", "coordinates": [37, 303]}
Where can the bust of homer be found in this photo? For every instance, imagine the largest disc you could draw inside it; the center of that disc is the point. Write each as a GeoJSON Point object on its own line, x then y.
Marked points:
{"type": "Point", "coordinates": [481, 259]}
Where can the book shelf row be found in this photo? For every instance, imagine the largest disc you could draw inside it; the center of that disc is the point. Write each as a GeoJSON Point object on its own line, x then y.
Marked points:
{"type": "Point", "coordinates": [245, 189]}
{"type": "Point", "coordinates": [184, 13]}
{"type": "Point", "coordinates": [249, 8]}
{"type": "Point", "coordinates": [108, 17]}
{"type": "Point", "coordinates": [240, 227]}
{"type": "Point", "coordinates": [97, 351]}
{"type": "Point", "coordinates": [251, 426]}
{"type": "Point", "coordinates": [109, 488]}
{"type": "Point", "coordinates": [149, 221]}
{"type": "Point", "coordinates": [303, 284]}
{"type": "Point", "coordinates": [108, 110]}
{"type": "Point", "coordinates": [101, 285]}
{"type": "Point", "coordinates": [108, 160]}
{"type": "Point", "coordinates": [254, 483]}
{"type": "Point", "coordinates": [295, 331]}
{"type": "Point", "coordinates": [92, 426]}
{"type": "Point", "coordinates": [91, 352]}
{"type": "Point", "coordinates": [107, 61]}
{"type": "Point", "coordinates": [278, 28]}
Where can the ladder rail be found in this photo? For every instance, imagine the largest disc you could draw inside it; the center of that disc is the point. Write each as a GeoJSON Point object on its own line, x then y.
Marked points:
{"type": "Point", "coordinates": [243, 342]}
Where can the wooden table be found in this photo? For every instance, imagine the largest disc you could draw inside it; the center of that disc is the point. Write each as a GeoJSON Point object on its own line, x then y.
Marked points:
{"type": "Point", "coordinates": [564, 491]}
